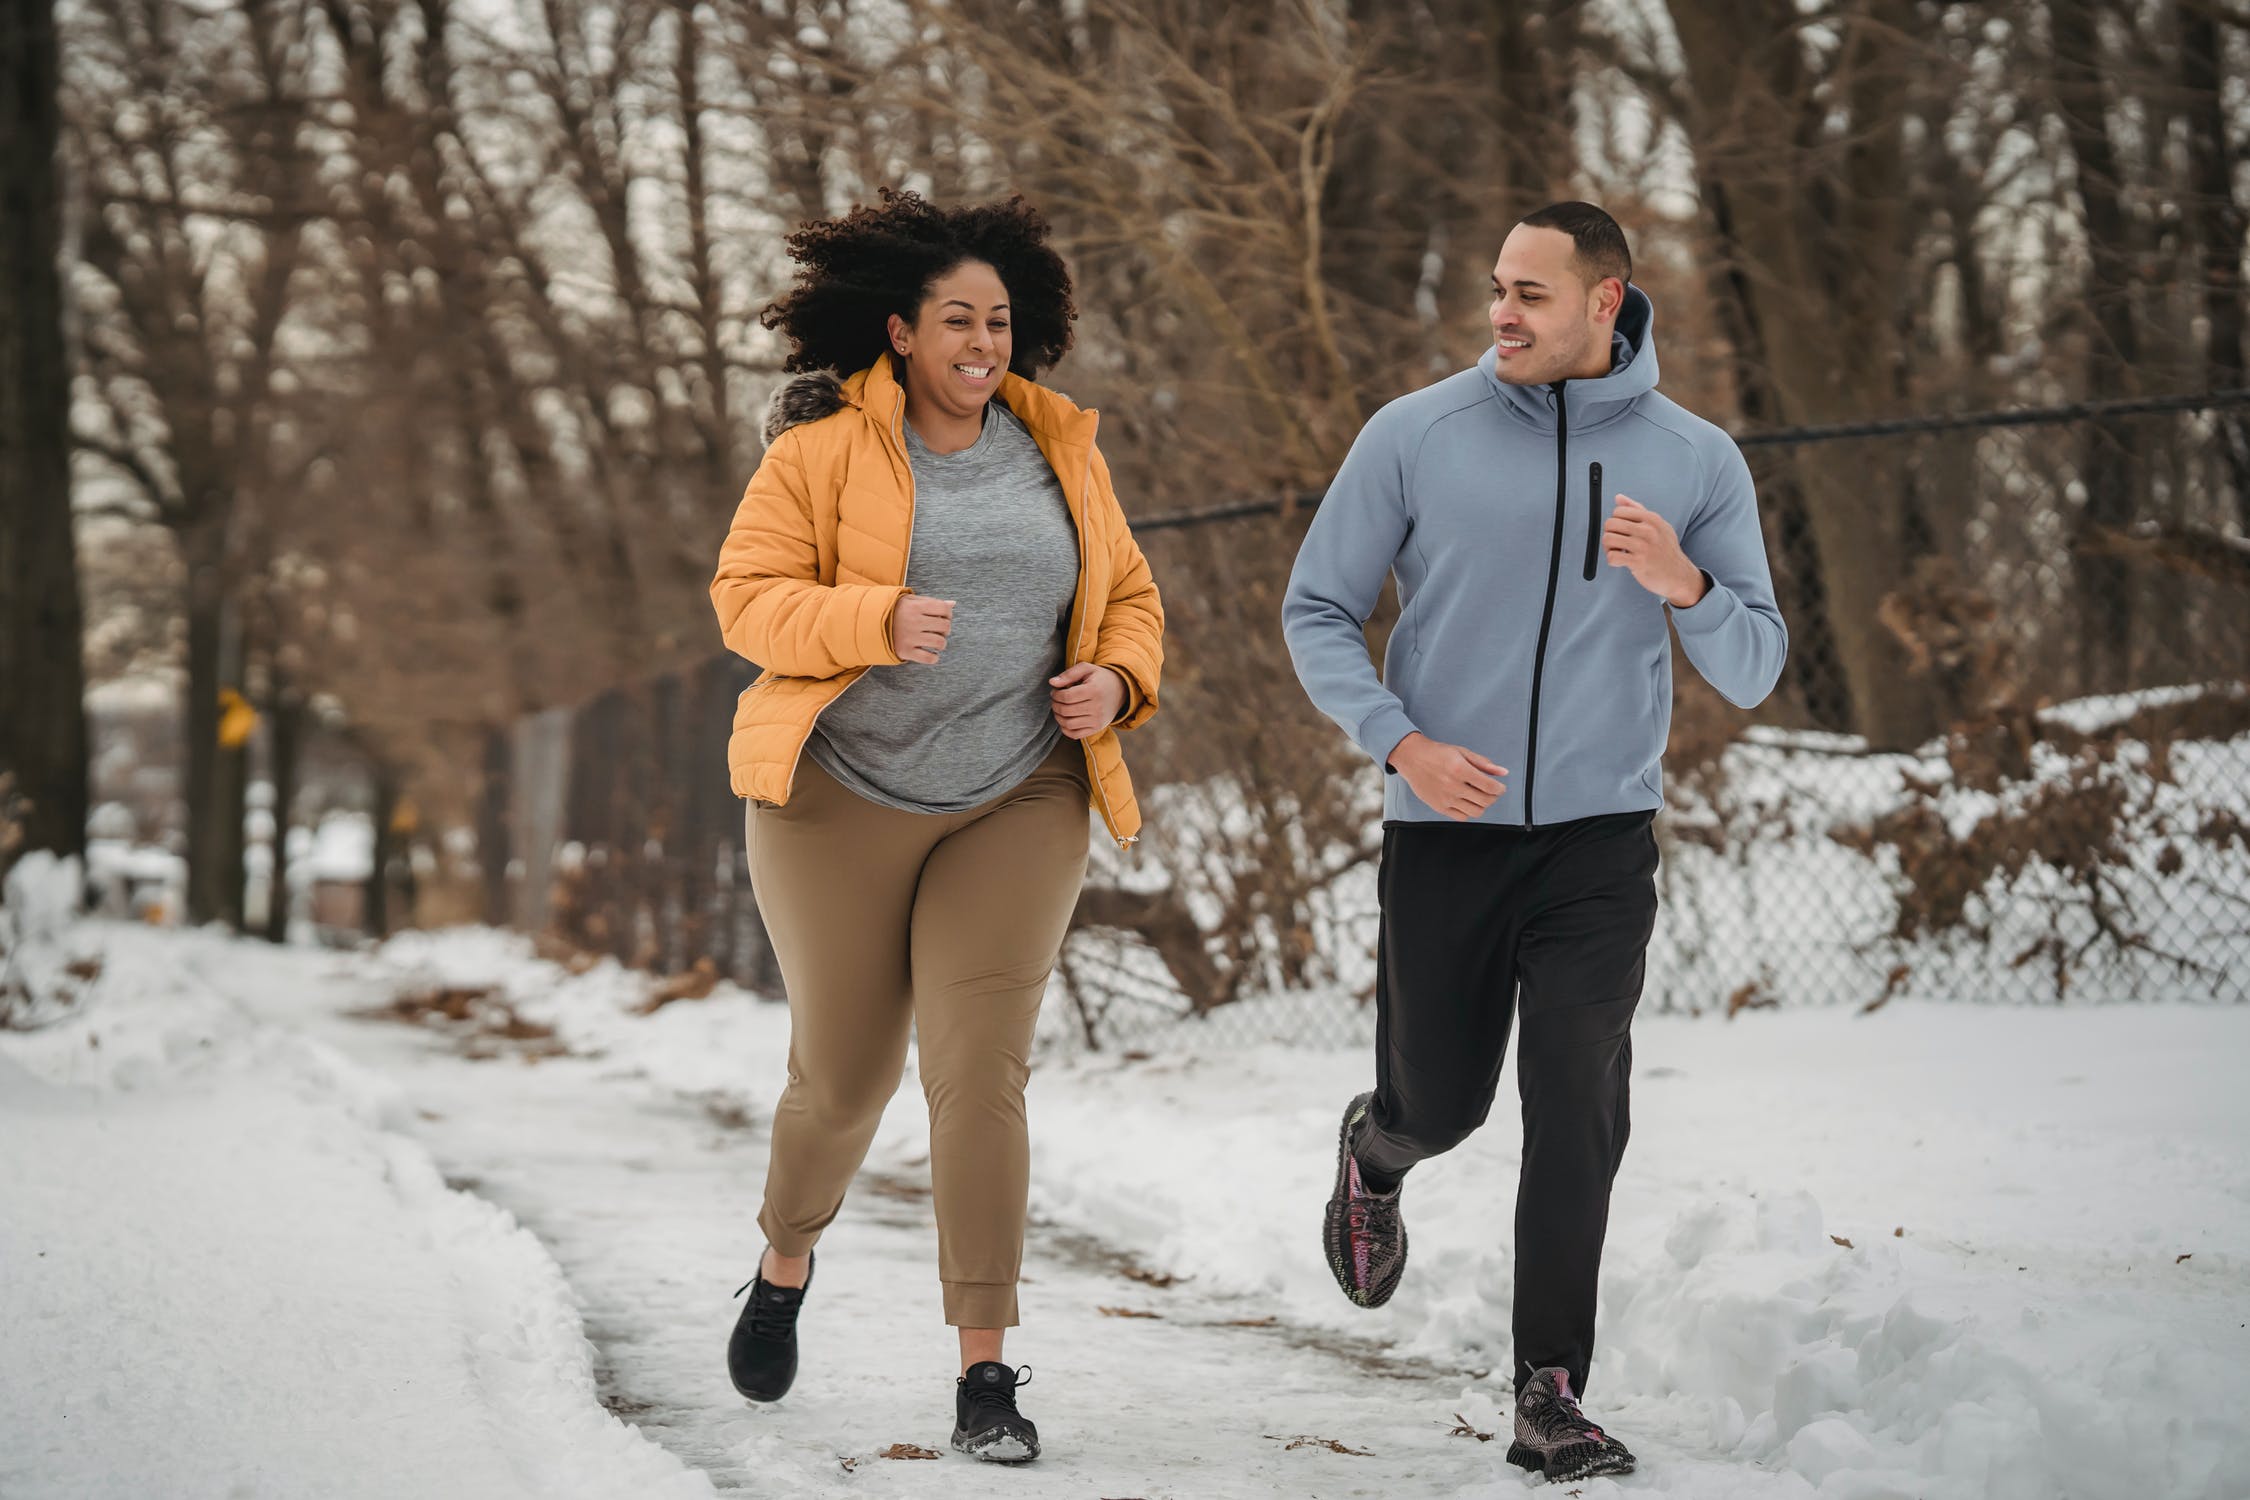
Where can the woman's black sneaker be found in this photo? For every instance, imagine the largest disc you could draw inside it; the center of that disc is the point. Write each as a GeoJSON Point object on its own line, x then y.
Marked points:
{"type": "Point", "coordinates": [762, 1354]}
{"type": "Point", "coordinates": [1361, 1233]}
{"type": "Point", "coordinates": [986, 1423]}
{"type": "Point", "coordinates": [1554, 1437]}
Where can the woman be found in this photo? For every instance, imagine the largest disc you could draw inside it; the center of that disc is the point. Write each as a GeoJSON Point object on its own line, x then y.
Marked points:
{"type": "Point", "coordinates": [954, 623]}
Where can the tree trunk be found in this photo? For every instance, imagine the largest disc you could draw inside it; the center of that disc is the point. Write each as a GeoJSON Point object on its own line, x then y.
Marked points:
{"type": "Point", "coordinates": [2109, 468]}
{"type": "Point", "coordinates": [2220, 229]}
{"type": "Point", "coordinates": [200, 547]}
{"type": "Point", "coordinates": [377, 907]}
{"type": "Point", "coordinates": [287, 743]}
{"type": "Point", "coordinates": [493, 823]}
{"type": "Point", "coordinates": [1813, 269]}
{"type": "Point", "coordinates": [232, 823]}
{"type": "Point", "coordinates": [1814, 671]}
{"type": "Point", "coordinates": [42, 675]}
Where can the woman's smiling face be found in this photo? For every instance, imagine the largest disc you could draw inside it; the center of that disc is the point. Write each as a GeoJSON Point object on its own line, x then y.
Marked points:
{"type": "Point", "coordinates": [959, 343]}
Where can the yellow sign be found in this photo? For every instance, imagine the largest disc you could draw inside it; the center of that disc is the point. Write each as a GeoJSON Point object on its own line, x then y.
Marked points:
{"type": "Point", "coordinates": [237, 719]}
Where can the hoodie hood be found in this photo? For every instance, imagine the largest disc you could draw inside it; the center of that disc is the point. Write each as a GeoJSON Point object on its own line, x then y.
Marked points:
{"type": "Point", "coordinates": [1632, 374]}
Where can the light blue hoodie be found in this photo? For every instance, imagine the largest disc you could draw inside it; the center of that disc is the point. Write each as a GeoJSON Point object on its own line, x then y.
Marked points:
{"type": "Point", "coordinates": [1516, 638]}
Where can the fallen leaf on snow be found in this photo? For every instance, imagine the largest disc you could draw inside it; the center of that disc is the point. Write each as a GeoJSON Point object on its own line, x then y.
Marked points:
{"type": "Point", "coordinates": [1127, 1312]}
{"type": "Point", "coordinates": [1749, 998]}
{"type": "Point", "coordinates": [695, 984]}
{"type": "Point", "coordinates": [1306, 1440]}
{"type": "Point", "coordinates": [2189, 1256]}
{"type": "Point", "coordinates": [1840, 1240]}
{"type": "Point", "coordinates": [1464, 1428]}
{"type": "Point", "coordinates": [907, 1450]}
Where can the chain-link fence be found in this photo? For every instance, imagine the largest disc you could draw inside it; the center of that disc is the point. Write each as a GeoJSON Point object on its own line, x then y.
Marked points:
{"type": "Point", "coordinates": [2007, 763]}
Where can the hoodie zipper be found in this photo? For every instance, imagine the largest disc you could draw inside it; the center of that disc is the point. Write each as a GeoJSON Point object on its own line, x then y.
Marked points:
{"type": "Point", "coordinates": [1547, 612]}
{"type": "Point", "coordinates": [1593, 517]}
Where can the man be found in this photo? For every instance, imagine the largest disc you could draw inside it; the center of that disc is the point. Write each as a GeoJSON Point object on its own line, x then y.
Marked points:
{"type": "Point", "coordinates": [1544, 513]}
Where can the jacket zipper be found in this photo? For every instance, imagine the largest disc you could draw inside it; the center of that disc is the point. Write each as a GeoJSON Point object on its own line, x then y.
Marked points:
{"type": "Point", "coordinates": [1547, 613]}
{"type": "Point", "coordinates": [1077, 646]}
{"type": "Point", "coordinates": [1085, 488]}
{"type": "Point", "coordinates": [898, 419]}
{"type": "Point", "coordinates": [1593, 517]}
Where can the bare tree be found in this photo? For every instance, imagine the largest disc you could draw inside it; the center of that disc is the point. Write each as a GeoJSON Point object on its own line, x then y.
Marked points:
{"type": "Point", "coordinates": [42, 710]}
{"type": "Point", "coordinates": [1278, 217]}
{"type": "Point", "coordinates": [187, 126]}
{"type": "Point", "coordinates": [548, 256]}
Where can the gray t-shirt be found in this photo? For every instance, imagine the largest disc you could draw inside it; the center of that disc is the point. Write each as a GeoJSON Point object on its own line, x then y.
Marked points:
{"type": "Point", "coordinates": [993, 534]}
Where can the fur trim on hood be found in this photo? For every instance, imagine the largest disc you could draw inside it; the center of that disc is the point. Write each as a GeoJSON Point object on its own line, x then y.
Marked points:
{"type": "Point", "coordinates": [804, 398]}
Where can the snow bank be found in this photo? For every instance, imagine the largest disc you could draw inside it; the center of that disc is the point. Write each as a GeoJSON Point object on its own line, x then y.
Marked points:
{"type": "Point", "coordinates": [225, 1277]}
{"type": "Point", "coordinates": [2032, 1333]}
{"type": "Point", "coordinates": [45, 965]}
{"type": "Point", "coordinates": [41, 896]}
{"type": "Point", "coordinates": [341, 849]}
{"type": "Point", "coordinates": [140, 881]}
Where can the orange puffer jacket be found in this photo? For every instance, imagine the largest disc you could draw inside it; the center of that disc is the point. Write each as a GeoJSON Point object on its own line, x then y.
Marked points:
{"type": "Point", "coordinates": [815, 564]}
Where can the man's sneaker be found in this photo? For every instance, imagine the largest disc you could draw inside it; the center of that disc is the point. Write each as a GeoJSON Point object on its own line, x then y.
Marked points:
{"type": "Point", "coordinates": [1555, 1437]}
{"type": "Point", "coordinates": [1362, 1232]}
{"type": "Point", "coordinates": [762, 1354]}
{"type": "Point", "coordinates": [986, 1423]}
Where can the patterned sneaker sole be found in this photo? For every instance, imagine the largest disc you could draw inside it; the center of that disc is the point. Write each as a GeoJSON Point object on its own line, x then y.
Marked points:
{"type": "Point", "coordinates": [1577, 1461]}
{"type": "Point", "coordinates": [1336, 1239]}
{"type": "Point", "coordinates": [998, 1448]}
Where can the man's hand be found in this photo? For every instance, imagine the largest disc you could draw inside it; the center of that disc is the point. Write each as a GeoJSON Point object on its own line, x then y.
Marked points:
{"type": "Point", "coordinates": [1638, 538]}
{"type": "Point", "coordinates": [1459, 783]}
{"type": "Point", "coordinates": [920, 628]}
{"type": "Point", "coordinates": [1087, 699]}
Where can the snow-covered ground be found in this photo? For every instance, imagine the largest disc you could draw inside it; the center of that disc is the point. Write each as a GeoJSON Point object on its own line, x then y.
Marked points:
{"type": "Point", "coordinates": [256, 1282]}
{"type": "Point", "coordinates": [223, 1272]}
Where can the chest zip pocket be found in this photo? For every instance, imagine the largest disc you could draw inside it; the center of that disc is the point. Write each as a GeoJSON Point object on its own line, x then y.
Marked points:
{"type": "Point", "coordinates": [1593, 518]}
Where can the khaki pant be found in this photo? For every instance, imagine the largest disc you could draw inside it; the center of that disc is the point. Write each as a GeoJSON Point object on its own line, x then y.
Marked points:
{"type": "Point", "coordinates": [946, 922]}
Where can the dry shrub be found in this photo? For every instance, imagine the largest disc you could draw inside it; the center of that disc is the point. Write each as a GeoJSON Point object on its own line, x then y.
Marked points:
{"type": "Point", "coordinates": [446, 1002]}
{"type": "Point", "coordinates": [2073, 827]}
{"type": "Point", "coordinates": [480, 1019]}
{"type": "Point", "coordinates": [1255, 806]}
{"type": "Point", "coordinates": [15, 808]}
{"type": "Point", "coordinates": [1952, 635]}
{"type": "Point", "coordinates": [696, 983]}
{"type": "Point", "coordinates": [2081, 805]}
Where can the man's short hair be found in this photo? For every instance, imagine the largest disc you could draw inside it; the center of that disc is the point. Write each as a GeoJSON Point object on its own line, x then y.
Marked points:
{"type": "Point", "coordinates": [1601, 248]}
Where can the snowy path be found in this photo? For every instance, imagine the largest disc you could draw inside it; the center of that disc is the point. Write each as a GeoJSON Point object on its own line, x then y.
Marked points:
{"type": "Point", "coordinates": [647, 1200]}
{"type": "Point", "coordinates": [1939, 1253]}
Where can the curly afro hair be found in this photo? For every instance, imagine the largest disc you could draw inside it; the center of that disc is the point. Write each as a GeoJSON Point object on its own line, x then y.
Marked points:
{"type": "Point", "coordinates": [854, 272]}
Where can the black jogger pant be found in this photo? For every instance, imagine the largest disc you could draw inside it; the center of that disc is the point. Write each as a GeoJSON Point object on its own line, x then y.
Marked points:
{"type": "Point", "coordinates": [1480, 923]}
